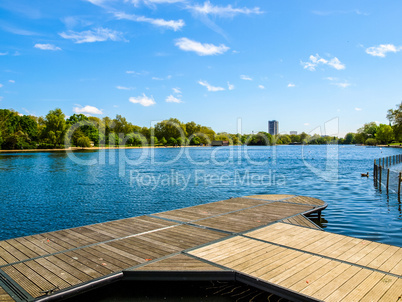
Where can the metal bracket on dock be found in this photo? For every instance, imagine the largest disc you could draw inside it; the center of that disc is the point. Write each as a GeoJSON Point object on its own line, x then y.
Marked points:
{"type": "Point", "coordinates": [49, 291]}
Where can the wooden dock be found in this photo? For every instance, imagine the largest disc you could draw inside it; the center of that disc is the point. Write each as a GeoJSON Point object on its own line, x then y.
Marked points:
{"type": "Point", "coordinates": [264, 241]}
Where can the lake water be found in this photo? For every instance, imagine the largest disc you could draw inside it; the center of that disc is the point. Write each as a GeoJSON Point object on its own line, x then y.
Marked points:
{"type": "Point", "coordinates": [42, 192]}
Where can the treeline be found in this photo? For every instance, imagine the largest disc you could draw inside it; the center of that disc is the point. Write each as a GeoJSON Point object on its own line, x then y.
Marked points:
{"type": "Point", "coordinates": [19, 131]}
{"type": "Point", "coordinates": [373, 134]}
{"type": "Point", "coordinates": [55, 130]}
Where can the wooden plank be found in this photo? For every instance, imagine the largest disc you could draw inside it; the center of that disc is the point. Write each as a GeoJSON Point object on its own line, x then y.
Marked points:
{"type": "Point", "coordinates": [270, 261]}
{"type": "Point", "coordinates": [387, 254]}
{"type": "Point", "coordinates": [392, 262]}
{"type": "Point", "coordinates": [342, 291]}
{"type": "Point", "coordinates": [285, 264]}
{"type": "Point", "coordinates": [29, 253]}
{"type": "Point", "coordinates": [337, 282]}
{"type": "Point", "coordinates": [11, 250]}
{"type": "Point", "coordinates": [394, 293]}
{"type": "Point", "coordinates": [27, 284]}
{"type": "Point", "coordinates": [379, 289]}
{"type": "Point", "coordinates": [74, 261]}
{"type": "Point", "coordinates": [304, 273]}
{"type": "Point", "coordinates": [294, 270]}
{"type": "Point", "coordinates": [89, 261]}
{"type": "Point", "coordinates": [69, 269]}
{"type": "Point", "coordinates": [179, 263]}
{"type": "Point", "coordinates": [318, 284]}
{"type": "Point", "coordinates": [27, 272]}
{"type": "Point", "coordinates": [4, 297]}
{"type": "Point", "coordinates": [367, 284]}
{"type": "Point", "coordinates": [270, 196]}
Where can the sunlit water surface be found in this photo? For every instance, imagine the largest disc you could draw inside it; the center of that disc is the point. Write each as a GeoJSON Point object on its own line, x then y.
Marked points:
{"type": "Point", "coordinates": [42, 192]}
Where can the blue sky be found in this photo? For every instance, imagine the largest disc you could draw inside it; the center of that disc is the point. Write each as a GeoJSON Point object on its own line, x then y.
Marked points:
{"type": "Point", "coordinates": [302, 63]}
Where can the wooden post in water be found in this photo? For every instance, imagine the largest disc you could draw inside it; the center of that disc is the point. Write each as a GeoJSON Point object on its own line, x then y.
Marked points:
{"type": "Point", "coordinates": [380, 177]}
{"type": "Point", "coordinates": [399, 183]}
{"type": "Point", "coordinates": [375, 171]}
{"type": "Point", "coordinates": [387, 181]}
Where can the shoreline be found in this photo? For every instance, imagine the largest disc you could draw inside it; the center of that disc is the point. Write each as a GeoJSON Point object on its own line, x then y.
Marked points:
{"type": "Point", "coordinates": [140, 147]}
{"type": "Point", "coordinates": [88, 149]}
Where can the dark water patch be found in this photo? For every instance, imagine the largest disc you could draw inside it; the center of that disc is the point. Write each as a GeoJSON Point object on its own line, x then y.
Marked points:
{"type": "Point", "coordinates": [211, 291]}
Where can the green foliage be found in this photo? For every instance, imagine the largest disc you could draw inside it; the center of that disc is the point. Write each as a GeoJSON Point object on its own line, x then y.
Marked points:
{"type": "Point", "coordinates": [84, 142]}
{"type": "Point", "coordinates": [371, 142]}
{"type": "Point", "coordinates": [56, 127]}
{"type": "Point", "coordinates": [163, 141]}
{"type": "Point", "coordinates": [384, 134]}
{"type": "Point", "coordinates": [172, 141]}
{"type": "Point", "coordinates": [171, 128]}
{"type": "Point", "coordinates": [349, 138]}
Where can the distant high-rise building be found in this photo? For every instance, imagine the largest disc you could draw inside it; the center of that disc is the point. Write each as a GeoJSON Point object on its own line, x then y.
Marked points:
{"type": "Point", "coordinates": [293, 132]}
{"type": "Point", "coordinates": [273, 127]}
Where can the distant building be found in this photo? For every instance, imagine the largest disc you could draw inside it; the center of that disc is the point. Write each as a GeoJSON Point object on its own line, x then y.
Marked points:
{"type": "Point", "coordinates": [273, 127]}
{"type": "Point", "coordinates": [293, 132]}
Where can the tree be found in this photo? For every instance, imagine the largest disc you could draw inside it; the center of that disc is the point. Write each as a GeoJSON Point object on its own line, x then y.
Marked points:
{"type": "Point", "coordinates": [349, 138]}
{"type": "Point", "coordinates": [286, 139]}
{"type": "Point", "coordinates": [371, 142]}
{"type": "Point", "coordinates": [368, 131]}
{"type": "Point", "coordinates": [172, 141]}
{"type": "Point", "coordinates": [192, 128]}
{"type": "Point", "coordinates": [171, 128]}
{"type": "Point", "coordinates": [163, 141]}
{"type": "Point", "coordinates": [84, 142]}
{"type": "Point", "coordinates": [384, 134]}
{"type": "Point", "coordinates": [56, 126]}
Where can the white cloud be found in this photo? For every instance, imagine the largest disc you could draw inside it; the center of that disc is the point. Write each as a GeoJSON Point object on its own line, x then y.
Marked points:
{"type": "Point", "coordinates": [87, 110]}
{"type": "Point", "coordinates": [246, 78]}
{"type": "Point", "coordinates": [200, 48]}
{"type": "Point", "coordinates": [47, 47]}
{"type": "Point", "coordinates": [231, 86]}
{"type": "Point", "coordinates": [1, 85]}
{"type": "Point", "coordinates": [143, 100]}
{"type": "Point", "coordinates": [124, 88]}
{"type": "Point", "coordinates": [339, 12]}
{"type": "Point", "coordinates": [223, 11]}
{"type": "Point", "coordinates": [136, 72]}
{"type": "Point", "coordinates": [306, 124]}
{"type": "Point", "coordinates": [11, 81]}
{"type": "Point", "coordinates": [382, 50]}
{"type": "Point", "coordinates": [337, 82]}
{"type": "Point", "coordinates": [3, 53]}
{"type": "Point", "coordinates": [210, 87]}
{"type": "Point", "coordinates": [172, 99]}
{"type": "Point", "coordinates": [1, 98]}
{"type": "Point", "coordinates": [358, 109]}
{"type": "Point", "coordinates": [261, 86]}
{"type": "Point", "coordinates": [317, 60]}
{"type": "Point", "coordinates": [290, 85]}
{"type": "Point", "coordinates": [176, 90]}
{"type": "Point", "coordinates": [335, 63]}
{"type": "Point", "coordinates": [170, 24]}
{"type": "Point", "coordinates": [97, 35]}
{"type": "Point", "coordinates": [342, 85]}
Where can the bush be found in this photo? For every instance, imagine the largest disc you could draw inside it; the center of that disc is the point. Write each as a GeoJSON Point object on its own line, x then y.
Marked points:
{"type": "Point", "coordinates": [371, 142]}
